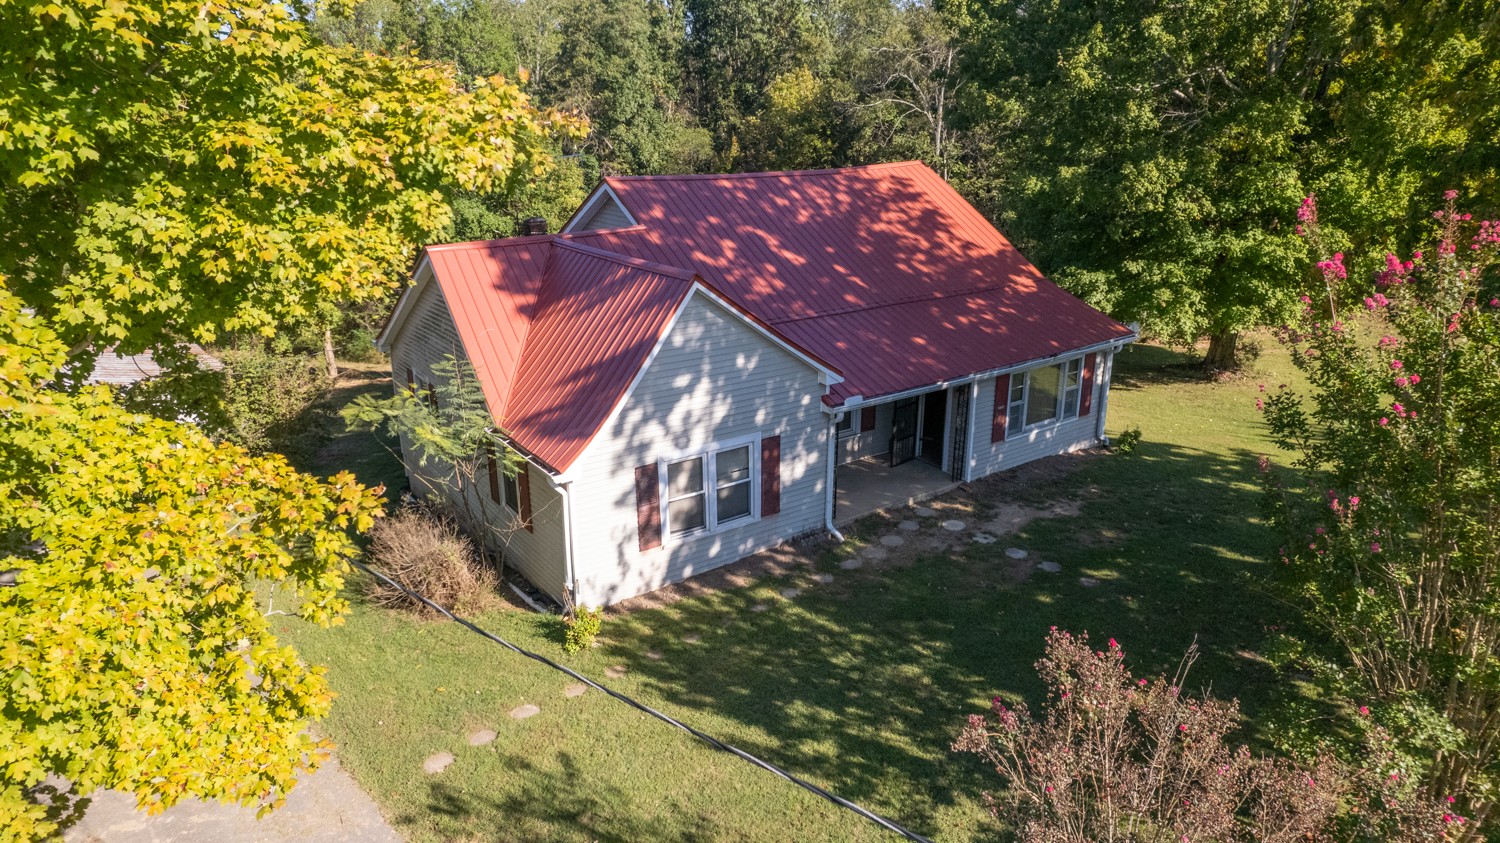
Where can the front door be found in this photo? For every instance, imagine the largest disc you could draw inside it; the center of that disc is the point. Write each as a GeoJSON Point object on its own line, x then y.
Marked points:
{"type": "Point", "coordinates": [934, 422]}
{"type": "Point", "coordinates": [903, 430]}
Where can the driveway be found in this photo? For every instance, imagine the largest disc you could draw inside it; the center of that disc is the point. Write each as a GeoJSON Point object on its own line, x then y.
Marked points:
{"type": "Point", "coordinates": [325, 807]}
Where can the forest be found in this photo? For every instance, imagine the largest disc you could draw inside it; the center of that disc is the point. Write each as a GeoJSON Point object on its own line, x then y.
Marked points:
{"type": "Point", "coordinates": [1143, 154]}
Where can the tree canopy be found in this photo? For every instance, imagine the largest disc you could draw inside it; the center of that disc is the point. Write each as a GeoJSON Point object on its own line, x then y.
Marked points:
{"type": "Point", "coordinates": [174, 172]}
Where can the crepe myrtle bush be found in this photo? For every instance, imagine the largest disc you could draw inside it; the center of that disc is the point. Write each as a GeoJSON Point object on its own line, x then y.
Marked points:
{"type": "Point", "coordinates": [1390, 514]}
{"type": "Point", "coordinates": [1115, 757]}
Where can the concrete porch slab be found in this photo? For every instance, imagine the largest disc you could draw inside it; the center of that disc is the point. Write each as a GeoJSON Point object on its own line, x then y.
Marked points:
{"type": "Point", "coordinates": [869, 485]}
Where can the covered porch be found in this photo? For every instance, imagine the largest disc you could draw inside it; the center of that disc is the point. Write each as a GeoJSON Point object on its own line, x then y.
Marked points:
{"type": "Point", "coordinates": [871, 484]}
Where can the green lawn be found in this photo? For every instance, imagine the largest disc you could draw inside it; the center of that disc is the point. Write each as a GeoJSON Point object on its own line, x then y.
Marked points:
{"type": "Point", "coordinates": [859, 686]}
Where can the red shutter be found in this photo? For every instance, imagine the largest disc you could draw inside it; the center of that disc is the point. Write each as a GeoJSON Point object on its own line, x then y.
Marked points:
{"type": "Point", "coordinates": [648, 506]}
{"type": "Point", "coordinates": [1086, 380]}
{"type": "Point", "coordinates": [523, 486]}
{"type": "Point", "coordinates": [770, 475]}
{"type": "Point", "coordinates": [494, 469]}
{"type": "Point", "coordinates": [1002, 408]}
{"type": "Point", "coordinates": [867, 419]}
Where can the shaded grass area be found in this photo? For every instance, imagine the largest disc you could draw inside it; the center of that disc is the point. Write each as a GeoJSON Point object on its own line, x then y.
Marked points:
{"type": "Point", "coordinates": [860, 685]}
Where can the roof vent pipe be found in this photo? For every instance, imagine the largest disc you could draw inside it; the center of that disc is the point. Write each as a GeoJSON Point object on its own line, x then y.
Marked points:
{"type": "Point", "coordinates": [533, 225]}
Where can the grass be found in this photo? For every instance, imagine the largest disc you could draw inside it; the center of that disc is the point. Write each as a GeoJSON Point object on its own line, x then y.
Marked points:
{"type": "Point", "coordinates": [860, 686]}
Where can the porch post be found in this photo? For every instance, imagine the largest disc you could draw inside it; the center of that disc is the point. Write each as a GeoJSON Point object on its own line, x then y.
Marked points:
{"type": "Point", "coordinates": [969, 457]}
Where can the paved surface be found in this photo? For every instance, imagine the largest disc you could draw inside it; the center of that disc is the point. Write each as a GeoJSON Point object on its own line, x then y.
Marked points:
{"type": "Point", "coordinates": [326, 807]}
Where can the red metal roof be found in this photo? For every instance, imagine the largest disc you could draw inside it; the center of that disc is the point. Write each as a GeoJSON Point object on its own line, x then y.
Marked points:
{"type": "Point", "coordinates": [882, 272]}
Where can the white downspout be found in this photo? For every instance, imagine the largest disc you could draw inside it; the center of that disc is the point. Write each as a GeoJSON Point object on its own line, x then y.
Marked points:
{"type": "Point", "coordinates": [566, 490]}
{"type": "Point", "coordinates": [1109, 369]}
{"type": "Point", "coordinates": [969, 447]}
{"type": "Point", "coordinates": [833, 461]}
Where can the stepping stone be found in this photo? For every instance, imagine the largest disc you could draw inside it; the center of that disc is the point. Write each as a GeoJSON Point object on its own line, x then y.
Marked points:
{"type": "Point", "coordinates": [985, 538]}
{"type": "Point", "coordinates": [892, 540]}
{"type": "Point", "coordinates": [521, 712]}
{"type": "Point", "coordinates": [909, 526]}
{"type": "Point", "coordinates": [576, 689]}
{"type": "Point", "coordinates": [615, 671]}
{"type": "Point", "coordinates": [653, 655]}
{"type": "Point", "coordinates": [759, 607]}
{"type": "Point", "coordinates": [1087, 582]}
{"type": "Point", "coordinates": [481, 737]}
{"type": "Point", "coordinates": [953, 526]}
{"type": "Point", "coordinates": [825, 579]}
{"type": "Point", "coordinates": [853, 563]}
{"type": "Point", "coordinates": [437, 763]}
{"type": "Point", "coordinates": [924, 512]}
{"type": "Point", "coordinates": [874, 552]}
{"type": "Point", "coordinates": [789, 593]}
{"type": "Point", "coordinates": [1015, 553]}
{"type": "Point", "coordinates": [691, 639]}
{"type": "Point", "coordinates": [1049, 567]}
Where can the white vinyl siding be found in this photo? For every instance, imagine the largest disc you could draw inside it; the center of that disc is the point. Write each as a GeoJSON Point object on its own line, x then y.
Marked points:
{"type": "Point", "coordinates": [425, 338]}
{"type": "Point", "coordinates": [713, 380]}
{"type": "Point", "coordinates": [1045, 439]}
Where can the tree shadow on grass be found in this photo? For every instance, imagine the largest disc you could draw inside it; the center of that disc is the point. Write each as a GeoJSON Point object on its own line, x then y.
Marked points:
{"type": "Point", "coordinates": [1142, 365]}
{"type": "Point", "coordinates": [862, 684]}
{"type": "Point", "coordinates": [552, 800]}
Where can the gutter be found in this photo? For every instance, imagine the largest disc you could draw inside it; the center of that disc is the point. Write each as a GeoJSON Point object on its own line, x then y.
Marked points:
{"type": "Point", "coordinates": [1111, 346]}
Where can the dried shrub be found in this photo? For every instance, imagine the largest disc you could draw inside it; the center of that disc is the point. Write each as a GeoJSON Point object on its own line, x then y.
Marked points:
{"type": "Point", "coordinates": [1136, 760]}
{"type": "Point", "coordinates": [423, 549]}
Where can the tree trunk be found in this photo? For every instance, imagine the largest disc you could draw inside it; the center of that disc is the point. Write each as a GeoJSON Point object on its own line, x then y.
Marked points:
{"type": "Point", "coordinates": [1222, 356]}
{"type": "Point", "coordinates": [333, 363]}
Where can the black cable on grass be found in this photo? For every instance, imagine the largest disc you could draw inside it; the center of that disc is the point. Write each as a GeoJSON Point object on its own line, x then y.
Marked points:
{"type": "Point", "coordinates": [708, 739]}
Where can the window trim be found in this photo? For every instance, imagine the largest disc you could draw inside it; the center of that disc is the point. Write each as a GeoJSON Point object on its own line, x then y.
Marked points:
{"type": "Point", "coordinates": [709, 453]}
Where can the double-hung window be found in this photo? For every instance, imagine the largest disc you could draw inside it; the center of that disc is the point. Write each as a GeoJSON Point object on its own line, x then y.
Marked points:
{"type": "Point", "coordinates": [708, 491]}
{"type": "Point", "coordinates": [1072, 387]}
{"type": "Point", "coordinates": [1045, 394]}
{"type": "Point", "coordinates": [845, 425]}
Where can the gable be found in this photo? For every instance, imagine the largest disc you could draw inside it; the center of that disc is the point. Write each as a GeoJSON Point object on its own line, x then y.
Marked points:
{"type": "Point", "coordinates": [600, 212]}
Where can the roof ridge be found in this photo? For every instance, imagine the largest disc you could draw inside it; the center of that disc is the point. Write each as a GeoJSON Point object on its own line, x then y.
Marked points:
{"type": "Point", "coordinates": [884, 165]}
{"type": "Point", "coordinates": [952, 294]}
{"type": "Point", "coordinates": [626, 260]}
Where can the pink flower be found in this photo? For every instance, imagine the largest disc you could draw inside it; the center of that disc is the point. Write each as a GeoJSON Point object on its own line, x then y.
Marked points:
{"type": "Point", "coordinates": [1450, 195]}
{"type": "Point", "coordinates": [1353, 501]}
{"type": "Point", "coordinates": [1450, 800]}
{"type": "Point", "coordinates": [1049, 788]}
{"type": "Point", "coordinates": [1400, 410]}
{"type": "Point", "coordinates": [1182, 727]}
{"type": "Point", "coordinates": [1384, 421]}
{"type": "Point", "coordinates": [1416, 379]}
{"type": "Point", "coordinates": [1403, 382]}
{"type": "Point", "coordinates": [1364, 711]}
{"type": "Point", "coordinates": [1113, 645]}
{"type": "Point", "coordinates": [1494, 302]}
{"type": "Point", "coordinates": [1374, 547]}
{"type": "Point", "coordinates": [1395, 364]}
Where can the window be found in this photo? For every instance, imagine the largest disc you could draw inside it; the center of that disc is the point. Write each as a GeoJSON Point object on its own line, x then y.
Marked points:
{"type": "Point", "coordinates": [1044, 394]}
{"type": "Point", "coordinates": [1072, 387]}
{"type": "Point", "coordinates": [1015, 418]}
{"type": "Point", "coordinates": [732, 483]}
{"type": "Point", "coordinates": [710, 490]}
{"type": "Point", "coordinates": [1042, 387]}
{"type": "Point", "coordinates": [687, 510]}
{"type": "Point", "coordinates": [845, 426]}
{"type": "Point", "coordinates": [510, 490]}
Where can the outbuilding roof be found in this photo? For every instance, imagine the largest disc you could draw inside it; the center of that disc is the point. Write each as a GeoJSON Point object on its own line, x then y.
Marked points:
{"type": "Point", "coordinates": [881, 275]}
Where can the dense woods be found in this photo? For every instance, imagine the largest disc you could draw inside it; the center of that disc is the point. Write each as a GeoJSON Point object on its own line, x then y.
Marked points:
{"type": "Point", "coordinates": [1146, 155]}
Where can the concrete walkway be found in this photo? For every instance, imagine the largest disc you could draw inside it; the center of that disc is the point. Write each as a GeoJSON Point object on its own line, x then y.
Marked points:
{"type": "Point", "coordinates": [325, 807]}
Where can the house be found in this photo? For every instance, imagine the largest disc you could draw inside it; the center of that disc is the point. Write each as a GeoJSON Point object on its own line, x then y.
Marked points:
{"type": "Point", "coordinates": [118, 369]}
{"type": "Point", "coordinates": [700, 367]}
